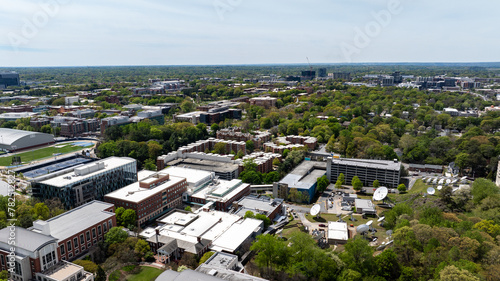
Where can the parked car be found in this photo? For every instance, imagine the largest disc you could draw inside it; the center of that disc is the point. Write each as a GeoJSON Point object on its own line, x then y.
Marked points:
{"type": "Point", "coordinates": [322, 225]}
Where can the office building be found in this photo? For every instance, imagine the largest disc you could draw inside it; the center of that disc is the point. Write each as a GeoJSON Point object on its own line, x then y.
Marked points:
{"type": "Point", "coordinates": [266, 102]}
{"type": "Point", "coordinates": [114, 121]}
{"type": "Point", "coordinates": [224, 266]}
{"type": "Point", "coordinates": [303, 178]}
{"type": "Point", "coordinates": [152, 196]}
{"type": "Point", "coordinates": [14, 116]}
{"type": "Point", "coordinates": [365, 206]}
{"type": "Point", "coordinates": [322, 72]}
{"type": "Point", "coordinates": [9, 79]}
{"type": "Point", "coordinates": [386, 172]}
{"type": "Point", "coordinates": [78, 230]}
{"type": "Point", "coordinates": [264, 205]}
{"type": "Point", "coordinates": [35, 256]}
{"type": "Point", "coordinates": [197, 233]}
{"type": "Point", "coordinates": [340, 76]}
{"type": "Point", "coordinates": [82, 184]}
{"type": "Point", "coordinates": [337, 232]}
{"type": "Point", "coordinates": [14, 140]}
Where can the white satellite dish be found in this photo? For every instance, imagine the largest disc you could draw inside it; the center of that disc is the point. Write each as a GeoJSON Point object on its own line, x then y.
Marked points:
{"type": "Point", "coordinates": [362, 228]}
{"type": "Point", "coordinates": [380, 194]}
{"type": "Point", "coordinates": [431, 191]}
{"type": "Point", "coordinates": [448, 181]}
{"type": "Point", "coordinates": [381, 219]}
{"type": "Point", "coordinates": [439, 187]}
{"type": "Point", "coordinates": [315, 210]}
{"type": "Point", "coordinates": [463, 178]}
{"type": "Point", "coordinates": [369, 223]}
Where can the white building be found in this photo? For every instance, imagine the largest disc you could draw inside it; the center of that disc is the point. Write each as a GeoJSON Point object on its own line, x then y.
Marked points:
{"type": "Point", "coordinates": [337, 232]}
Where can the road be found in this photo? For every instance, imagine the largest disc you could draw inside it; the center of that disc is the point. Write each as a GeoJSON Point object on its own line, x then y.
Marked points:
{"type": "Point", "coordinates": [485, 98]}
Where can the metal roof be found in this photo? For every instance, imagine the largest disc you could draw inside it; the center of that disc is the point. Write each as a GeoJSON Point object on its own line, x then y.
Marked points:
{"type": "Point", "coordinates": [9, 136]}
{"type": "Point", "coordinates": [25, 239]}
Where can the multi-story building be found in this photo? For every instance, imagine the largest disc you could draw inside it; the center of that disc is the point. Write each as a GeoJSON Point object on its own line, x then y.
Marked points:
{"type": "Point", "coordinates": [264, 205]}
{"type": "Point", "coordinates": [234, 133]}
{"type": "Point", "coordinates": [113, 121]}
{"type": "Point", "coordinates": [34, 256]}
{"type": "Point", "coordinates": [9, 79]}
{"type": "Point", "coordinates": [77, 128]}
{"type": "Point", "coordinates": [216, 115]}
{"type": "Point", "coordinates": [266, 102]}
{"type": "Point", "coordinates": [340, 75]}
{"type": "Point", "coordinates": [153, 195]}
{"type": "Point", "coordinates": [386, 172]}
{"type": "Point", "coordinates": [16, 108]}
{"type": "Point", "coordinates": [290, 142]}
{"type": "Point", "coordinates": [83, 184]}
{"type": "Point", "coordinates": [263, 160]}
{"type": "Point", "coordinates": [79, 230]}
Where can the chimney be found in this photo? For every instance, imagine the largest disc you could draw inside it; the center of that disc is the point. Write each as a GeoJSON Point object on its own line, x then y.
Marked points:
{"type": "Point", "coordinates": [157, 233]}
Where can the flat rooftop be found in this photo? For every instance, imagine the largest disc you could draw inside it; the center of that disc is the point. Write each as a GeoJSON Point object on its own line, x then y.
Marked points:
{"type": "Point", "coordinates": [193, 176]}
{"type": "Point", "coordinates": [135, 194]}
{"type": "Point", "coordinates": [257, 204]}
{"type": "Point", "coordinates": [62, 271]}
{"type": "Point", "coordinates": [206, 165]}
{"type": "Point", "coordinates": [337, 231]}
{"type": "Point", "coordinates": [190, 114]}
{"type": "Point", "coordinates": [231, 239]}
{"type": "Point", "coordinates": [77, 219]}
{"type": "Point", "coordinates": [374, 164]}
{"type": "Point", "coordinates": [70, 177]}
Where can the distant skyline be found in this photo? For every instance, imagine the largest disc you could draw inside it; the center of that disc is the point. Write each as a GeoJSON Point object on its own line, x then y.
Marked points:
{"type": "Point", "coordinates": [222, 32]}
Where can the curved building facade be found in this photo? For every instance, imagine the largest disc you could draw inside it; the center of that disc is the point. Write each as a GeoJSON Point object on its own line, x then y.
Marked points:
{"type": "Point", "coordinates": [14, 140]}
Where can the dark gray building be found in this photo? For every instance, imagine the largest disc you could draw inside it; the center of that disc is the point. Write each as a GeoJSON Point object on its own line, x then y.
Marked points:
{"type": "Point", "coordinates": [386, 172]}
{"type": "Point", "coordinates": [9, 79]}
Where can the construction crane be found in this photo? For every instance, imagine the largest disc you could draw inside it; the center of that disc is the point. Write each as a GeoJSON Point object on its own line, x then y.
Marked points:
{"type": "Point", "coordinates": [308, 62]}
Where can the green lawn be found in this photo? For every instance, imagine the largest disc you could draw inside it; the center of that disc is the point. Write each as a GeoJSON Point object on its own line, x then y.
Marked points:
{"type": "Point", "coordinates": [291, 228]}
{"type": "Point", "coordinates": [41, 153]}
{"type": "Point", "coordinates": [146, 273]}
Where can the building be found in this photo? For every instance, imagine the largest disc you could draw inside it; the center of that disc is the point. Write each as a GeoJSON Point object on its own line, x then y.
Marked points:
{"type": "Point", "coordinates": [35, 256]}
{"type": "Point", "coordinates": [263, 160]}
{"type": "Point", "coordinates": [322, 72]}
{"type": "Point", "coordinates": [114, 121]}
{"type": "Point", "coordinates": [365, 206]}
{"type": "Point", "coordinates": [16, 108]}
{"type": "Point", "coordinates": [14, 140]}
{"type": "Point", "coordinates": [226, 267]}
{"type": "Point", "coordinates": [51, 166]}
{"type": "Point", "coordinates": [308, 75]}
{"type": "Point", "coordinates": [152, 196]}
{"type": "Point", "coordinates": [190, 275]}
{"type": "Point", "coordinates": [234, 133]}
{"type": "Point", "coordinates": [71, 100]}
{"type": "Point", "coordinates": [386, 172]}
{"type": "Point", "coordinates": [216, 115]}
{"type": "Point", "coordinates": [303, 178]}
{"type": "Point", "coordinates": [205, 187]}
{"type": "Point", "coordinates": [9, 79]}
{"type": "Point", "coordinates": [271, 208]}
{"type": "Point", "coordinates": [197, 233]}
{"type": "Point", "coordinates": [210, 163]}
{"type": "Point", "coordinates": [340, 75]}
{"type": "Point", "coordinates": [82, 184]}
{"type": "Point", "coordinates": [13, 116]}
{"type": "Point", "coordinates": [266, 102]}
{"type": "Point", "coordinates": [191, 117]}
{"type": "Point", "coordinates": [337, 232]}
{"type": "Point", "coordinates": [155, 115]}
{"type": "Point", "coordinates": [79, 230]}
{"type": "Point", "coordinates": [290, 142]}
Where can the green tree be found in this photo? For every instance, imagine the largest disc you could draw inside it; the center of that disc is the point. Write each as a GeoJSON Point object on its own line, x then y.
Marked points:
{"type": "Point", "coordinates": [452, 273]}
{"type": "Point", "coordinates": [115, 235]}
{"type": "Point", "coordinates": [376, 184]}
{"type": "Point", "coordinates": [322, 183]}
{"type": "Point", "coordinates": [402, 188]}
{"type": "Point", "coordinates": [357, 184]}
{"type": "Point", "coordinates": [88, 265]}
{"type": "Point", "coordinates": [250, 146]}
{"type": "Point", "coordinates": [41, 211]}
{"type": "Point", "coordinates": [271, 252]}
{"type": "Point", "coordinates": [141, 248]}
{"type": "Point", "coordinates": [46, 129]}
{"type": "Point", "coordinates": [340, 181]}
{"type": "Point", "coordinates": [249, 214]}
{"type": "Point", "coordinates": [265, 219]}
{"type": "Point", "coordinates": [129, 218]}
{"type": "Point", "coordinates": [118, 213]}
{"type": "Point", "coordinates": [101, 275]}
{"type": "Point", "coordinates": [188, 209]}
{"type": "Point", "coordinates": [187, 105]}
{"type": "Point", "coordinates": [387, 265]}
{"type": "Point", "coordinates": [482, 188]}
{"type": "Point", "coordinates": [219, 148]}
{"type": "Point", "coordinates": [358, 255]}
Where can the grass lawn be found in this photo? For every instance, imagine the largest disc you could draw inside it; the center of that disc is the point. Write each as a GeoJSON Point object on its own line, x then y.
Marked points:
{"type": "Point", "coordinates": [291, 228]}
{"type": "Point", "coordinates": [41, 153]}
{"type": "Point", "coordinates": [146, 273]}
{"type": "Point", "coordinates": [418, 188]}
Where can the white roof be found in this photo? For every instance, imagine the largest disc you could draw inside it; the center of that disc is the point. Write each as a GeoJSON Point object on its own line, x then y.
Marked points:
{"type": "Point", "coordinates": [134, 193]}
{"type": "Point", "coordinates": [236, 235]}
{"type": "Point", "coordinates": [78, 219]}
{"type": "Point", "coordinates": [337, 231]}
{"type": "Point", "coordinates": [109, 164]}
{"type": "Point", "coordinates": [9, 136]}
{"type": "Point", "coordinates": [193, 177]}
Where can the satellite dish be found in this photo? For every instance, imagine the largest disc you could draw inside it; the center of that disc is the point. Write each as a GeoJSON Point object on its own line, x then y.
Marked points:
{"type": "Point", "coordinates": [369, 223]}
{"type": "Point", "coordinates": [315, 210]}
{"type": "Point", "coordinates": [439, 187]}
{"type": "Point", "coordinates": [388, 232]}
{"type": "Point", "coordinates": [381, 219]}
{"type": "Point", "coordinates": [431, 191]}
{"type": "Point", "coordinates": [448, 181]}
{"type": "Point", "coordinates": [362, 228]}
{"type": "Point", "coordinates": [380, 194]}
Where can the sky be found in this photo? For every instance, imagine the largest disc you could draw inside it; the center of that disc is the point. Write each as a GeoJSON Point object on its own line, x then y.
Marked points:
{"type": "Point", "coordinates": [210, 32]}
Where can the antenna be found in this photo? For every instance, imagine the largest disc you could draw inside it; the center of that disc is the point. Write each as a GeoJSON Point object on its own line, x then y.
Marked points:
{"type": "Point", "coordinates": [380, 194]}
{"type": "Point", "coordinates": [315, 210]}
{"type": "Point", "coordinates": [431, 191]}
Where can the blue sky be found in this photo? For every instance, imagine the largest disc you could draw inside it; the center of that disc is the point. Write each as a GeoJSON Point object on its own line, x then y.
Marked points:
{"type": "Point", "coordinates": [151, 32]}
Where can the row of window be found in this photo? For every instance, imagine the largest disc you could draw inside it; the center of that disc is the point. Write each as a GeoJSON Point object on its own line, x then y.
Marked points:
{"type": "Point", "coordinates": [81, 244]}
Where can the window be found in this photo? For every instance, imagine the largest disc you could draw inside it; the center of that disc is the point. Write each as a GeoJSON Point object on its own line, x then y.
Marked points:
{"type": "Point", "coordinates": [69, 246]}
{"type": "Point", "coordinates": [93, 233]}
{"type": "Point", "coordinates": [75, 241]}
{"type": "Point", "coordinates": [63, 251]}
{"type": "Point", "coordinates": [3, 259]}
{"type": "Point", "coordinates": [82, 241]}
{"type": "Point", "coordinates": [110, 224]}
{"type": "Point", "coordinates": [88, 235]}
{"type": "Point", "coordinates": [99, 230]}
{"type": "Point", "coordinates": [70, 255]}
{"type": "Point", "coordinates": [105, 227]}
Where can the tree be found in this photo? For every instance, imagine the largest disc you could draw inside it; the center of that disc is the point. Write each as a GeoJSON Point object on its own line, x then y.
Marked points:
{"type": "Point", "coordinates": [402, 188]}
{"type": "Point", "coordinates": [376, 184]}
{"type": "Point", "coordinates": [219, 148]}
{"type": "Point", "coordinates": [115, 235]}
{"type": "Point", "coordinates": [357, 184]}
{"type": "Point", "coordinates": [154, 149]}
{"type": "Point", "coordinates": [205, 257]}
{"type": "Point", "coordinates": [322, 183]}
{"type": "Point", "coordinates": [141, 248]}
{"type": "Point", "coordinates": [452, 273]}
{"type": "Point", "coordinates": [387, 265]}
{"type": "Point", "coordinates": [358, 254]}
{"type": "Point", "coordinates": [250, 146]}
{"type": "Point", "coordinates": [187, 105]}
{"type": "Point", "coordinates": [270, 251]}
{"type": "Point", "coordinates": [482, 188]}
{"type": "Point", "coordinates": [265, 219]}
{"type": "Point", "coordinates": [340, 181]}
{"type": "Point", "coordinates": [271, 177]}
{"type": "Point", "coordinates": [46, 129]}
{"type": "Point", "coordinates": [128, 217]}
{"type": "Point", "coordinates": [118, 213]}
{"type": "Point", "coordinates": [88, 265]}
{"type": "Point", "coordinates": [101, 275]}
{"type": "Point", "coordinates": [41, 211]}
{"type": "Point", "coordinates": [188, 209]}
